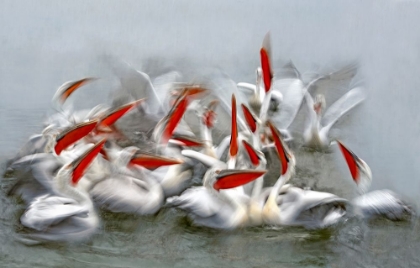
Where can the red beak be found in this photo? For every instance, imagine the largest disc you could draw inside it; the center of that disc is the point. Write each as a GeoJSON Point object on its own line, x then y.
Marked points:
{"type": "Point", "coordinates": [175, 115]}
{"type": "Point", "coordinates": [81, 163]}
{"type": "Point", "coordinates": [68, 88]}
{"type": "Point", "coordinates": [351, 160]}
{"type": "Point", "coordinates": [194, 91]}
{"type": "Point", "coordinates": [210, 115]}
{"type": "Point", "coordinates": [152, 162]}
{"type": "Point", "coordinates": [231, 178]}
{"type": "Point", "coordinates": [265, 54]}
{"type": "Point", "coordinates": [113, 116]}
{"type": "Point", "coordinates": [73, 134]}
{"type": "Point", "coordinates": [233, 150]}
{"type": "Point", "coordinates": [104, 154]}
{"type": "Point", "coordinates": [250, 119]}
{"type": "Point", "coordinates": [186, 141]}
{"type": "Point", "coordinates": [253, 156]}
{"type": "Point", "coordinates": [284, 159]}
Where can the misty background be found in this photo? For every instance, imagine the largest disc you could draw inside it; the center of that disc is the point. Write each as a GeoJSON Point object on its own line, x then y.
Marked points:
{"type": "Point", "coordinates": [45, 43]}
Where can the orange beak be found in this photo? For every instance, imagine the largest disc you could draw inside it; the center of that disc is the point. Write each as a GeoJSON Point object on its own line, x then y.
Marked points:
{"type": "Point", "coordinates": [72, 135]}
{"type": "Point", "coordinates": [68, 88]}
{"type": "Point", "coordinates": [284, 159]}
{"type": "Point", "coordinates": [231, 178]}
{"type": "Point", "coordinates": [80, 164]}
{"type": "Point", "coordinates": [351, 160]}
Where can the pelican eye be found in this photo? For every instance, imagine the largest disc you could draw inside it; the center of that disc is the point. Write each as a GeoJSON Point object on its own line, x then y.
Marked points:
{"type": "Point", "coordinates": [218, 171]}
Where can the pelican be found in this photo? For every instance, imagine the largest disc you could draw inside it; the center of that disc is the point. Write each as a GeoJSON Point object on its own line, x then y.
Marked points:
{"type": "Point", "coordinates": [48, 153]}
{"type": "Point", "coordinates": [124, 182]}
{"type": "Point", "coordinates": [376, 203]}
{"type": "Point", "coordinates": [319, 125]}
{"type": "Point", "coordinates": [212, 206]}
{"type": "Point", "coordinates": [292, 206]}
{"type": "Point", "coordinates": [55, 139]}
{"type": "Point", "coordinates": [136, 193]}
{"type": "Point", "coordinates": [257, 92]}
{"type": "Point", "coordinates": [279, 97]}
{"type": "Point", "coordinates": [255, 205]}
{"type": "Point", "coordinates": [68, 216]}
{"type": "Point", "coordinates": [68, 88]}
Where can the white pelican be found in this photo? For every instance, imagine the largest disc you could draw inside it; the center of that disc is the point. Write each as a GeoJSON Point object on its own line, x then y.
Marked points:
{"type": "Point", "coordinates": [293, 206]}
{"type": "Point", "coordinates": [256, 202]}
{"type": "Point", "coordinates": [138, 193]}
{"type": "Point", "coordinates": [318, 125]}
{"type": "Point", "coordinates": [280, 98]}
{"type": "Point", "coordinates": [47, 155]}
{"type": "Point", "coordinates": [68, 88]}
{"type": "Point", "coordinates": [210, 206]}
{"type": "Point", "coordinates": [124, 184]}
{"type": "Point", "coordinates": [68, 216]}
{"type": "Point", "coordinates": [376, 203]}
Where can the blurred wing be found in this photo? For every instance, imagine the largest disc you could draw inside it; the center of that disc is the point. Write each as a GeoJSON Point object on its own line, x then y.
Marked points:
{"type": "Point", "coordinates": [139, 86]}
{"type": "Point", "coordinates": [293, 92]}
{"type": "Point", "coordinates": [126, 194]}
{"type": "Point", "coordinates": [47, 211]}
{"type": "Point", "coordinates": [289, 70]}
{"type": "Point", "coordinates": [342, 106]}
{"type": "Point", "coordinates": [163, 85]}
{"type": "Point", "coordinates": [381, 203]}
{"type": "Point", "coordinates": [43, 167]}
{"type": "Point", "coordinates": [222, 87]}
{"type": "Point", "coordinates": [334, 84]}
{"type": "Point", "coordinates": [35, 144]}
{"type": "Point", "coordinates": [197, 200]}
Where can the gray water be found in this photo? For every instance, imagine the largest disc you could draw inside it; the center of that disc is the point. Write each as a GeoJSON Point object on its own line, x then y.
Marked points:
{"type": "Point", "coordinates": [44, 43]}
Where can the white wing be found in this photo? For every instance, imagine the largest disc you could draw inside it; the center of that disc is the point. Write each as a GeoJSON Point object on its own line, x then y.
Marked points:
{"type": "Point", "coordinates": [127, 194]}
{"type": "Point", "coordinates": [223, 87]}
{"type": "Point", "coordinates": [138, 85]}
{"type": "Point", "coordinates": [198, 201]}
{"type": "Point", "coordinates": [293, 91]}
{"type": "Point", "coordinates": [248, 86]}
{"type": "Point", "coordinates": [42, 166]}
{"type": "Point", "coordinates": [205, 159]}
{"type": "Point", "coordinates": [381, 203]}
{"type": "Point", "coordinates": [334, 84]}
{"type": "Point", "coordinates": [342, 106]}
{"type": "Point", "coordinates": [46, 211]}
{"type": "Point", "coordinates": [163, 84]}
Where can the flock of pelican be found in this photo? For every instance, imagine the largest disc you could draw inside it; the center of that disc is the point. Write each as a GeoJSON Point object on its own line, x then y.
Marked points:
{"type": "Point", "coordinates": [77, 165]}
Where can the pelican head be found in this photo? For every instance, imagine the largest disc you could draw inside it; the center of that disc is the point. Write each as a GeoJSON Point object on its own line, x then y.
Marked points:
{"type": "Point", "coordinates": [319, 104]}
{"type": "Point", "coordinates": [275, 101]}
{"type": "Point", "coordinates": [365, 176]}
{"type": "Point", "coordinates": [220, 179]}
{"type": "Point", "coordinates": [50, 133]}
{"type": "Point", "coordinates": [360, 171]}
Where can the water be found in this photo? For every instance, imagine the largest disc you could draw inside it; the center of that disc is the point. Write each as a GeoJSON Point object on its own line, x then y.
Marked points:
{"type": "Point", "coordinates": [44, 43]}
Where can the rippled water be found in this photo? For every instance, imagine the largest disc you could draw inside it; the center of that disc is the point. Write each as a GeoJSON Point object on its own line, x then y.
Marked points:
{"type": "Point", "coordinates": [44, 43]}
